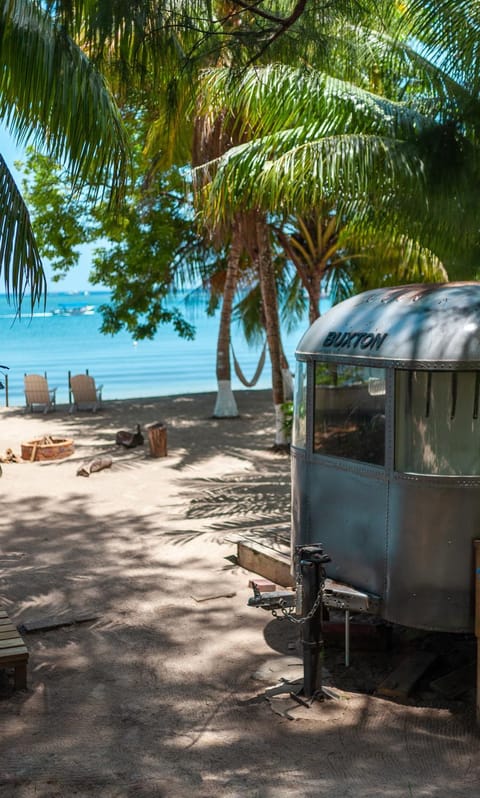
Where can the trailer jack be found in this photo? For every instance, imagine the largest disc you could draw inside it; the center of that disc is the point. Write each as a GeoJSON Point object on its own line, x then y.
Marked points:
{"type": "Point", "coordinates": [305, 608]}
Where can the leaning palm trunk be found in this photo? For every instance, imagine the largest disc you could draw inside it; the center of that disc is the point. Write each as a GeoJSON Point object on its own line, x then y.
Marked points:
{"type": "Point", "coordinates": [272, 325]}
{"type": "Point", "coordinates": [226, 406]}
{"type": "Point", "coordinates": [287, 378]}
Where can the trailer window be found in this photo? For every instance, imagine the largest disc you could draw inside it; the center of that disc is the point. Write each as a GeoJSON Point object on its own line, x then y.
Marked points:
{"type": "Point", "coordinates": [299, 430]}
{"type": "Point", "coordinates": [350, 412]}
{"type": "Point", "coordinates": [437, 425]}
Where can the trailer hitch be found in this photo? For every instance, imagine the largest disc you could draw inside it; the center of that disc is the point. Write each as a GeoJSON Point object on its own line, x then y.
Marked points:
{"type": "Point", "coordinates": [275, 600]}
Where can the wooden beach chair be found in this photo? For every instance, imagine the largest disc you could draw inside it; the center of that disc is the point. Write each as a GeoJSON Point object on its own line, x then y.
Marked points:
{"type": "Point", "coordinates": [38, 395]}
{"type": "Point", "coordinates": [85, 394]}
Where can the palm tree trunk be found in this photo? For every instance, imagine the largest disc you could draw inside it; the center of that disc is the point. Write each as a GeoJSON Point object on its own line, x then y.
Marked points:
{"type": "Point", "coordinates": [314, 294]}
{"type": "Point", "coordinates": [272, 324]}
{"type": "Point", "coordinates": [287, 378]}
{"type": "Point", "coordinates": [225, 405]}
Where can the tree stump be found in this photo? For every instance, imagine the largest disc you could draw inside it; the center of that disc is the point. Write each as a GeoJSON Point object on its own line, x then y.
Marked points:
{"type": "Point", "coordinates": [157, 439]}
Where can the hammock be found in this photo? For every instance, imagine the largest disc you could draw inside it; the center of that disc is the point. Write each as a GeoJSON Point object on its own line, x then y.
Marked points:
{"type": "Point", "coordinates": [256, 376]}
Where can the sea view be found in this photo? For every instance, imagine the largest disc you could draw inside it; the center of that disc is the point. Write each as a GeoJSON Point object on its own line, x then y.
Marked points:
{"type": "Point", "coordinates": [66, 337]}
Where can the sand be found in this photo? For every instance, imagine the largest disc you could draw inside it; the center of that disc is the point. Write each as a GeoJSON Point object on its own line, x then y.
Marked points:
{"type": "Point", "coordinates": [163, 695]}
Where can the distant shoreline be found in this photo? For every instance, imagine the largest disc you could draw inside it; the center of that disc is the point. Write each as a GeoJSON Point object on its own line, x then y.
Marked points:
{"type": "Point", "coordinates": [241, 394]}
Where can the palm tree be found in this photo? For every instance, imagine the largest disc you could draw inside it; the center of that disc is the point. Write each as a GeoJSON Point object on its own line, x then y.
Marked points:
{"type": "Point", "coordinates": [318, 142]}
{"type": "Point", "coordinates": [403, 157]}
{"type": "Point", "coordinates": [53, 97]}
{"type": "Point", "coordinates": [173, 36]}
{"type": "Point", "coordinates": [318, 139]}
{"type": "Point", "coordinates": [355, 131]}
{"type": "Point", "coordinates": [326, 250]}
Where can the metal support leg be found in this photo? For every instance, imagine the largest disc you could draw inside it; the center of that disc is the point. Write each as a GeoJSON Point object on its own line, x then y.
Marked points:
{"type": "Point", "coordinates": [311, 561]}
{"type": "Point", "coordinates": [347, 638]}
{"type": "Point", "coordinates": [312, 641]}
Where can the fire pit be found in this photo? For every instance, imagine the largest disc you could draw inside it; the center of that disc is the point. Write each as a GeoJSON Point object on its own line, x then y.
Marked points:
{"type": "Point", "coordinates": [47, 448]}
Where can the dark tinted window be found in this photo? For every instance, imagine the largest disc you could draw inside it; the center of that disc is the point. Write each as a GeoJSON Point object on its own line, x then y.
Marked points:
{"type": "Point", "coordinates": [350, 412]}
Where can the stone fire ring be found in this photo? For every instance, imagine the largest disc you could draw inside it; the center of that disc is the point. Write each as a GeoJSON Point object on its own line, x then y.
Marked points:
{"type": "Point", "coordinates": [47, 449]}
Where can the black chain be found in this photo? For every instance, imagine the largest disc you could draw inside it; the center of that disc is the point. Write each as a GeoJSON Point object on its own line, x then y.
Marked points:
{"type": "Point", "coordinates": [290, 615]}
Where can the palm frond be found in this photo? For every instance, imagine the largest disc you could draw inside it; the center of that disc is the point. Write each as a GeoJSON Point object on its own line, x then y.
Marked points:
{"type": "Point", "coordinates": [354, 168]}
{"type": "Point", "coordinates": [20, 264]}
{"type": "Point", "coordinates": [51, 96]}
{"type": "Point", "coordinates": [449, 36]}
{"type": "Point", "coordinates": [277, 98]}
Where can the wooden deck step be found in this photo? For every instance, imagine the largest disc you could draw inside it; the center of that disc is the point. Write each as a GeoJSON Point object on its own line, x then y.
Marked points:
{"type": "Point", "coordinates": [13, 651]}
{"type": "Point", "coordinates": [265, 554]}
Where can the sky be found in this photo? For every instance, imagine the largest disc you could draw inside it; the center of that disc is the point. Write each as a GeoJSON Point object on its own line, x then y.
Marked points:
{"type": "Point", "coordinates": [77, 279]}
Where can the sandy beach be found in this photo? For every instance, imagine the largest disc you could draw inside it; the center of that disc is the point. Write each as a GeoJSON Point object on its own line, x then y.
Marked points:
{"type": "Point", "coordinates": [162, 693]}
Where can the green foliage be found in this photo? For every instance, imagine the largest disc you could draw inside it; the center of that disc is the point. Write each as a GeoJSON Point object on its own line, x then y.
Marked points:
{"type": "Point", "coordinates": [147, 261]}
{"type": "Point", "coordinates": [339, 107]}
{"type": "Point", "coordinates": [52, 96]}
{"type": "Point", "coordinates": [60, 223]}
{"type": "Point", "coordinates": [142, 252]}
{"type": "Point", "coordinates": [287, 410]}
{"type": "Point", "coordinates": [335, 375]}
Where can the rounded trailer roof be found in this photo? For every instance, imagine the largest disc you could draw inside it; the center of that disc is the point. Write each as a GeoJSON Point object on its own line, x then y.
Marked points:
{"type": "Point", "coordinates": [422, 325]}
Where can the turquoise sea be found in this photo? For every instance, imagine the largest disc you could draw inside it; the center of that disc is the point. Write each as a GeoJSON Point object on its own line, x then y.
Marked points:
{"type": "Point", "coordinates": [65, 337]}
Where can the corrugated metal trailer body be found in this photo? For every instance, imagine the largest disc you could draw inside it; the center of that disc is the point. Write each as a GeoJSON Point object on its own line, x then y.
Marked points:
{"type": "Point", "coordinates": [386, 448]}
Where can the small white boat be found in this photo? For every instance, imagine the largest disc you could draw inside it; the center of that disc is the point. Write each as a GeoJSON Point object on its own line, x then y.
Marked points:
{"type": "Point", "coordinates": [74, 310]}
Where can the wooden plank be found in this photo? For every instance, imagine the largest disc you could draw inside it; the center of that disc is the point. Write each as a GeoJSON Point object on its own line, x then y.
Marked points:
{"type": "Point", "coordinates": [456, 682]}
{"type": "Point", "coordinates": [476, 545]}
{"type": "Point", "coordinates": [17, 650]}
{"type": "Point", "coordinates": [55, 621]}
{"type": "Point", "coordinates": [262, 585]}
{"type": "Point", "coordinates": [402, 680]}
{"type": "Point", "coordinates": [6, 634]}
{"type": "Point", "coordinates": [265, 562]}
{"type": "Point", "coordinates": [13, 652]}
{"type": "Point", "coordinates": [276, 537]}
{"type": "Point", "coordinates": [19, 654]}
{"type": "Point", "coordinates": [12, 642]}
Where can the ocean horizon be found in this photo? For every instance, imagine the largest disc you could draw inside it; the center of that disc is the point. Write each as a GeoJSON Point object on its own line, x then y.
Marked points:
{"type": "Point", "coordinates": [65, 337]}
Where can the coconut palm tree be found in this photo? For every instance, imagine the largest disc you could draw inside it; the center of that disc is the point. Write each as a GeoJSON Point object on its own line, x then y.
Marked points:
{"type": "Point", "coordinates": [53, 97]}
{"type": "Point", "coordinates": [354, 130]}
{"type": "Point", "coordinates": [385, 135]}
{"type": "Point", "coordinates": [173, 36]}
{"type": "Point", "coordinates": [355, 138]}
{"type": "Point", "coordinates": [319, 142]}
{"type": "Point", "coordinates": [324, 250]}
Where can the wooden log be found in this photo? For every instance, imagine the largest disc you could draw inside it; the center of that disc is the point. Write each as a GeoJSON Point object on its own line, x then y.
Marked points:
{"type": "Point", "coordinates": [157, 439]}
{"type": "Point", "coordinates": [98, 464]}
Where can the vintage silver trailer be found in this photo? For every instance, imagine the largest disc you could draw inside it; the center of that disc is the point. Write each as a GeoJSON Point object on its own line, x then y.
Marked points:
{"type": "Point", "coordinates": [386, 449]}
